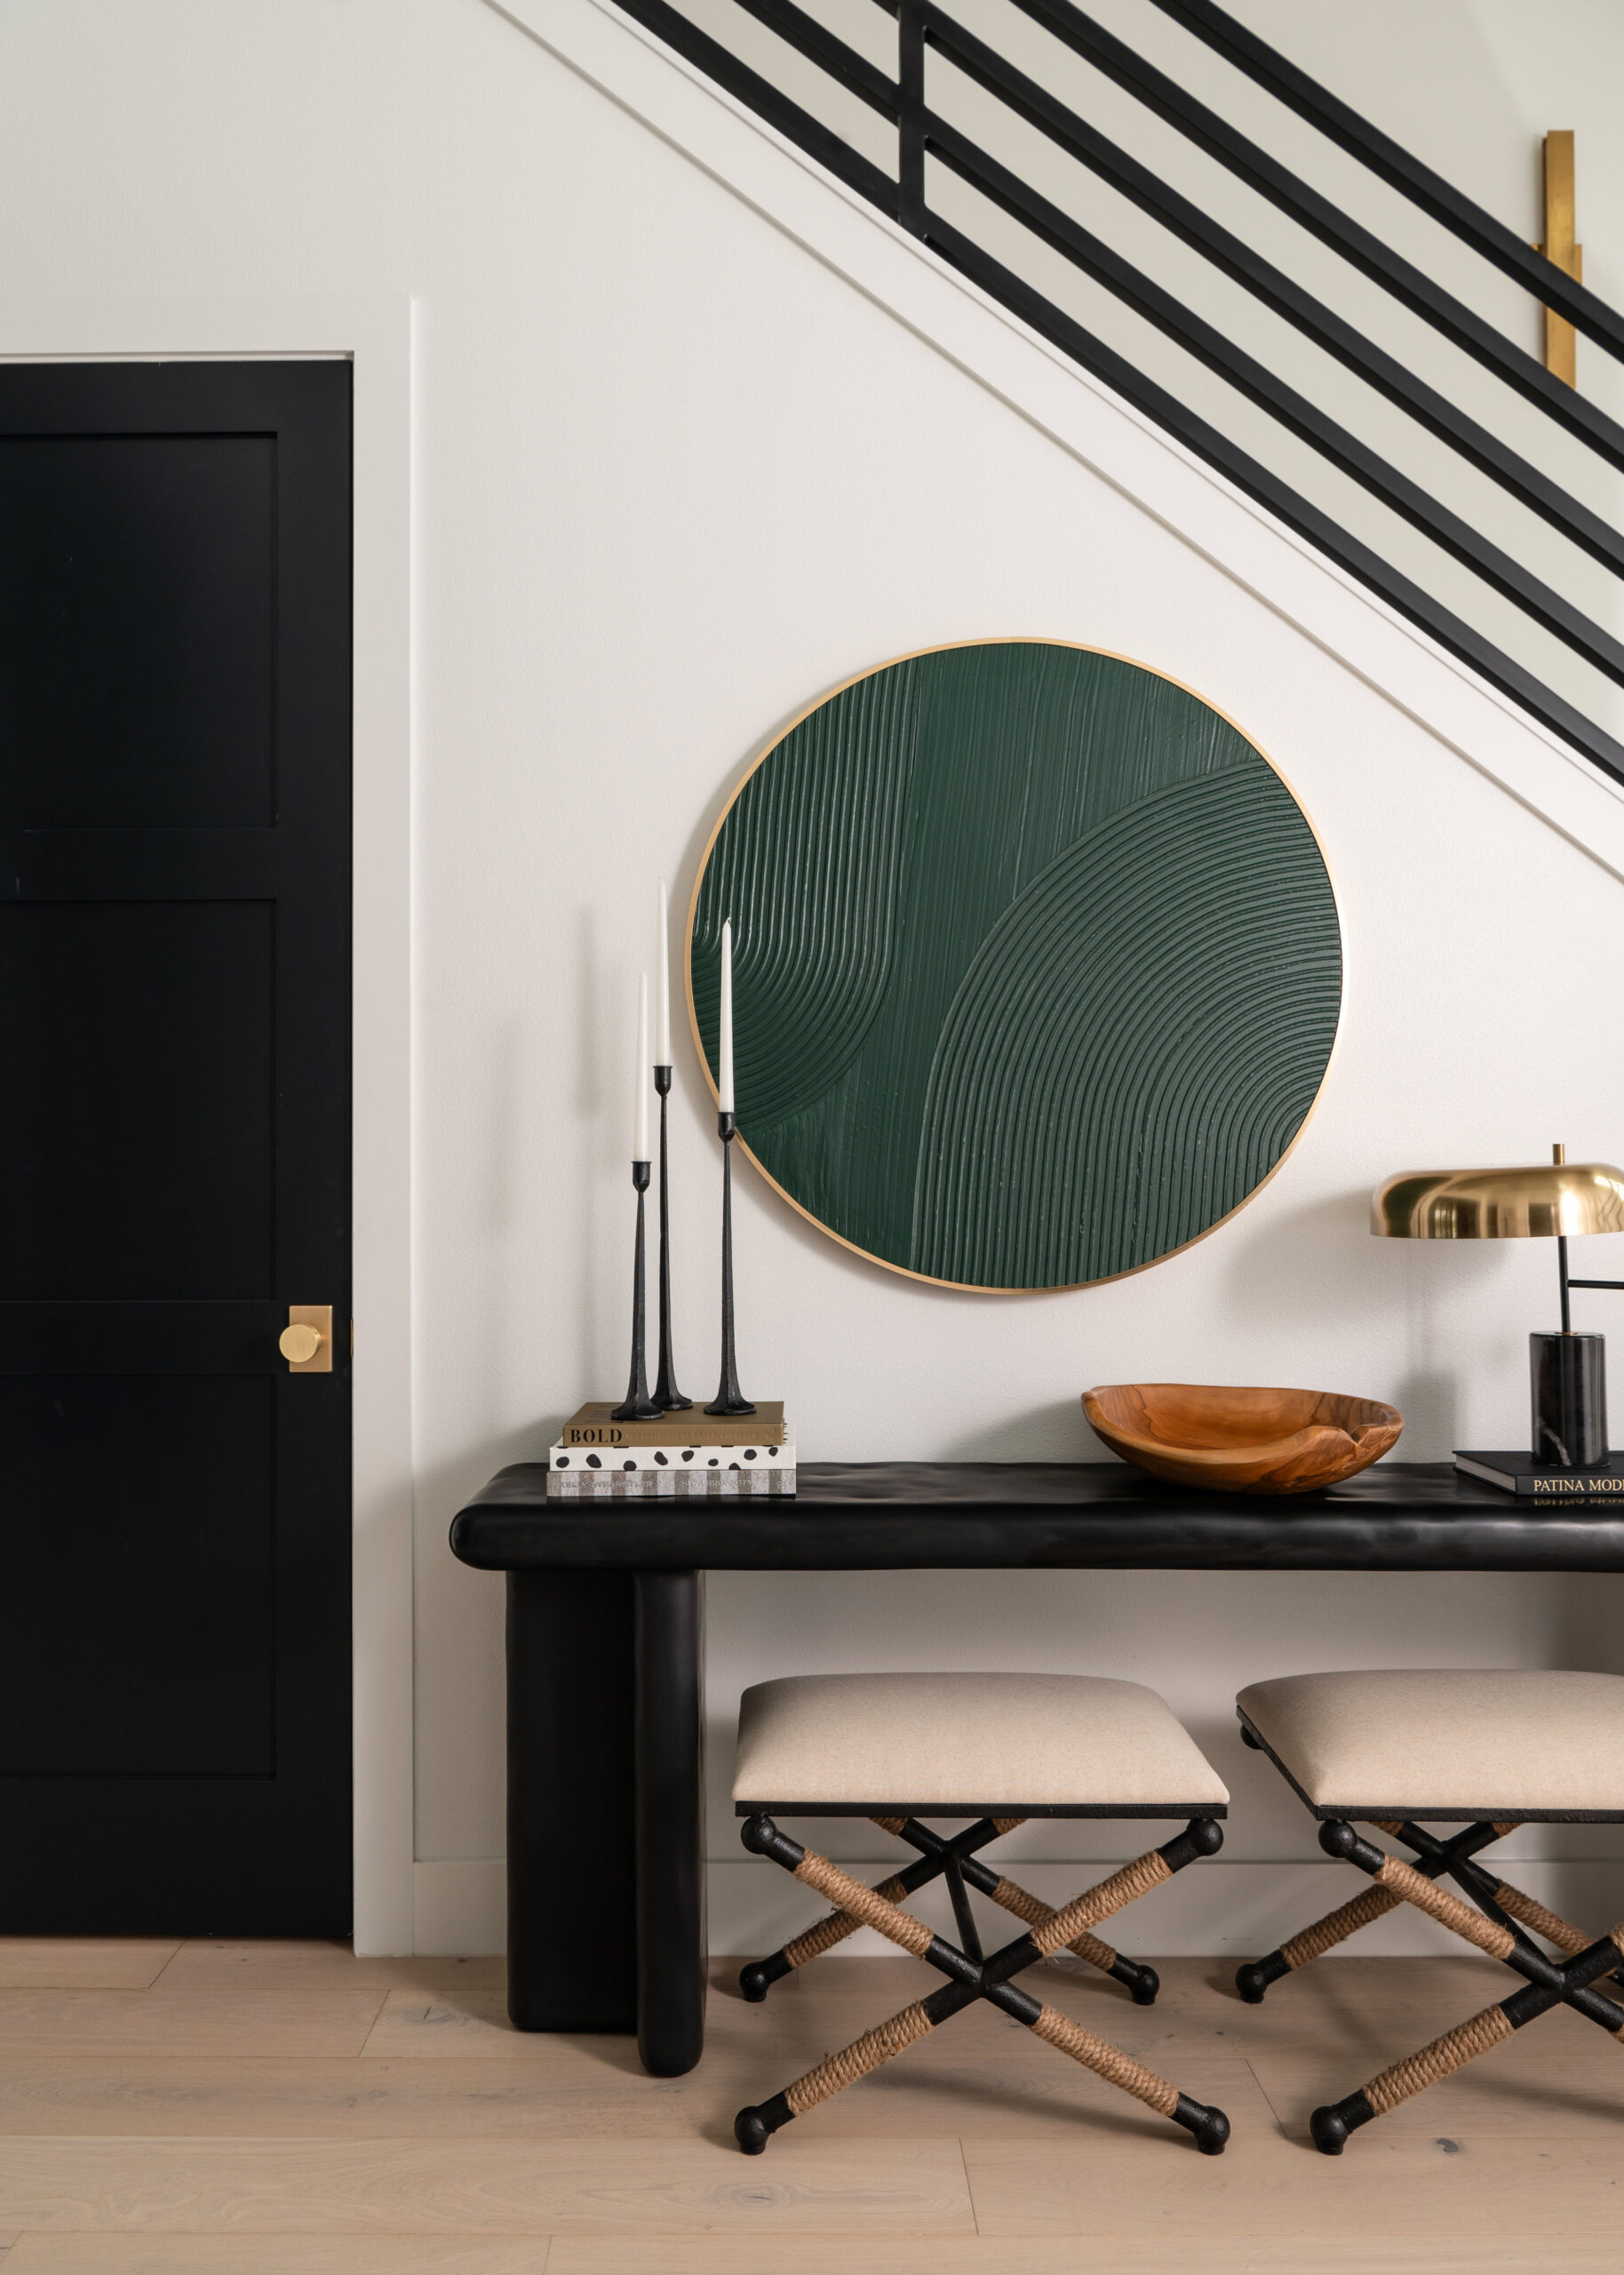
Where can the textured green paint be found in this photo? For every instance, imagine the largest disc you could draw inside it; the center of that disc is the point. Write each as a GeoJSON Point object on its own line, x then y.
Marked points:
{"type": "Point", "coordinates": [1036, 964]}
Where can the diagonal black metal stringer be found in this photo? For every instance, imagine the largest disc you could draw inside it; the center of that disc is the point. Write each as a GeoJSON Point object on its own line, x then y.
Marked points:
{"type": "Point", "coordinates": [972, 1977]}
{"type": "Point", "coordinates": [925, 141]}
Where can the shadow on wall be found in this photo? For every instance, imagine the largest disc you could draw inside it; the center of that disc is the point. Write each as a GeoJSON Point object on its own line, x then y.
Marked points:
{"type": "Point", "coordinates": [592, 1023]}
{"type": "Point", "coordinates": [1055, 1432]}
{"type": "Point", "coordinates": [1280, 1268]}
{"type": "Point", "coordinates": [1281, 1265]}
{"type": "Point", "coordinates": [1427, 1398]}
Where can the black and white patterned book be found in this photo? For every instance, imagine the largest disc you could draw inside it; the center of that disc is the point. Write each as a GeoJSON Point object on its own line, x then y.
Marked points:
{"type": "Point", "coordinates": [671, 1484]}
{"type": "Point", "coordinates": [668, 1472]}
{"type": "Point", "coordinates": [595, 1460]}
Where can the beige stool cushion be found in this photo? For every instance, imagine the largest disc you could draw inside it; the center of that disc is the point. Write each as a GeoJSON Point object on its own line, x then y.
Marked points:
{"type": "Point", "coordinates": [997, 1742]}
{"type": "Point", "coordinates": [1453, 1744]}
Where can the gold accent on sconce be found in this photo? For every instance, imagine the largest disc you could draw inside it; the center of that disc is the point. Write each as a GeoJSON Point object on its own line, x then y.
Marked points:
{"type": "Point", "coordinates": [1561, 227]}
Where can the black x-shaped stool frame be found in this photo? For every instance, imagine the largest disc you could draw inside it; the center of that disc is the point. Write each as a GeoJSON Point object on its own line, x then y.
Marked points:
{"type": "Point", "coordinates": [1495, 1927]}
{"type": "Point", "coordinates": [972, 1976]}
{"type": "Point", "coordinates": [956, 1860]}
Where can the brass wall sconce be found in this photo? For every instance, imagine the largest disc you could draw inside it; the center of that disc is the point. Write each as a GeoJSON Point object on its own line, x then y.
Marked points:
{"type": "Point", "coordinates": [1559, 244]}
{"type": "Point", "coordinates": [1568, 1371]}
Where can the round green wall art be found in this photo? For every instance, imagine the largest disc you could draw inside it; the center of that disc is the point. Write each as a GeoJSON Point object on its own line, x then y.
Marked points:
{"type": "Point", "coordinates": [1037, 966]}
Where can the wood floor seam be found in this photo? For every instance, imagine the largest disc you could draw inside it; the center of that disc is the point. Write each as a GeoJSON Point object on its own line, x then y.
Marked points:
{"type": "Point", "coordinates": [1275, 2111]}
{"type": "Point", "coordinates": [965, 2165]}
{"type": "Point", "coordinates": [168, 1963]}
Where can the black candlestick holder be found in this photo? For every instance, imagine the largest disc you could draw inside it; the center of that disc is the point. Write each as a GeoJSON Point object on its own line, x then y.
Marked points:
{"type": "Point", "coordinates": [637, 1406]}
{"type": "Point", "coordinates": [729, 1398]}
{"type": "Point", "coordinates": [668, 1397]}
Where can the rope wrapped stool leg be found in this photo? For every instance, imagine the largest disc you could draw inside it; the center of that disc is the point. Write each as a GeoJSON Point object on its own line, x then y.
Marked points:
{"type": "Point", "coordinates": [836, 2072]}
{"type": "Point", "coordinates": [864, 1905]}
{"type": "Point", "coordinates": [1404, 1881]}
{"type": "Point", "coordinates": [1143, 1982]}
{"type": "Point", "coordinates": [1549, 1924]}
{"type": "Point", "coordinates": [1086, 1911]}
{"type": "Point", "coordinates": [1330, 2125]}
{"type": "Point", "coordinates": [1253, 1979]}
{"type": "Point", "coordinates": [829, 1933]}
{"type": "Point", "coordinates": [1441, 2059]}
{"type": "Point", "coordinates": [972, 1977]}
{"type": "Point", "coordinates": [832, 1929]}
{"type": "Point", "coordinates": [1359, 1911]}
{"type": "Point", "coordinates": [1523, 1908]}
{"type": "Point", "coordinates": [1548, 1985]}
{"type": "Point", "coordinates": [1106, 2061]}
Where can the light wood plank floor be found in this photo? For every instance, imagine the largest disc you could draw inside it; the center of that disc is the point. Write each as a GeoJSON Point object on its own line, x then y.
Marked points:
{"type": "Point", "coordinates": [286, 2108]}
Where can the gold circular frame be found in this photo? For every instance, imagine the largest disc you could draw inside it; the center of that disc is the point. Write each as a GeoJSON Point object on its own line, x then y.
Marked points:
{"type": "Point", "coordinates": [941, 648]}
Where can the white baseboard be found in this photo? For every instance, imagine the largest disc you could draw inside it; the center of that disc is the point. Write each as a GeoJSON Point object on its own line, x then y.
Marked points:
{"type": "Point", "coordinates": [1217, 1910]}
{"type": "Point", "coordinates": [459, 1906]}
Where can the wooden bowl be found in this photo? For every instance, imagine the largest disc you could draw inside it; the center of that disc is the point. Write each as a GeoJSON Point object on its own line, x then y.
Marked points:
{"type": "Point", "coordinates": [1242, 1441]}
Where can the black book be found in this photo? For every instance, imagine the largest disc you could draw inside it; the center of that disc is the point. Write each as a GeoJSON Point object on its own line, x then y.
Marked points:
{"type": "Point", "coordinates": [1536, 1481]}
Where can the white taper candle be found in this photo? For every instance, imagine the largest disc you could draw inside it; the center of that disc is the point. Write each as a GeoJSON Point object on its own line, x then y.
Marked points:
{"type": "Point", "coordinates": [639, 1113]}
{"type": "Point", "coordinates": [724, 1081]}
{"type": "Point", "coordinates": [662, 1034]}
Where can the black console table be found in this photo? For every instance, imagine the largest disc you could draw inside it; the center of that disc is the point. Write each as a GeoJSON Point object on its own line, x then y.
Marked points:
{"type": "Point", "coordinates": [605, 1657]}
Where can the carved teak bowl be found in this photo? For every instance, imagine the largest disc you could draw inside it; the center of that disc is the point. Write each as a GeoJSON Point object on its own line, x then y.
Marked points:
{"type": "Point", "coordinates": [1242, 1441]}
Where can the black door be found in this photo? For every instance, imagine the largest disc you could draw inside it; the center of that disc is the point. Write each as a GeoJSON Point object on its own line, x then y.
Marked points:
{"type": "Point", "coordinates": [174, 1147]}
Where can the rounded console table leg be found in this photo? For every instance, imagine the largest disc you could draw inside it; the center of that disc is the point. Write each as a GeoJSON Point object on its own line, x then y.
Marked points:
{"type": "Point", "coordinates": [668, 1746]}
{"type": "Point", "coordinates": [571, 1798]}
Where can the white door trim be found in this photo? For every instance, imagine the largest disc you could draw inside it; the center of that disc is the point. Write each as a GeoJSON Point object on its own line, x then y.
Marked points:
{"type": "Point", "coordinates": [375, 333]}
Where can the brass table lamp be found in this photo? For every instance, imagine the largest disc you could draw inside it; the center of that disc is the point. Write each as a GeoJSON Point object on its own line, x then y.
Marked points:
{"type": "Point", "coordinates": [1568, 1371]}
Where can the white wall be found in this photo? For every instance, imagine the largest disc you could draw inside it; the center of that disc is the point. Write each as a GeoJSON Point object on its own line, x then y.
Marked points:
{"type": "Point", "coordinates": [674, 476]}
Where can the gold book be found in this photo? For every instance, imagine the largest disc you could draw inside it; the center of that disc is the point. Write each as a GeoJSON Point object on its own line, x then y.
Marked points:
{"type": "Point", "coordinates": [692, 1426]}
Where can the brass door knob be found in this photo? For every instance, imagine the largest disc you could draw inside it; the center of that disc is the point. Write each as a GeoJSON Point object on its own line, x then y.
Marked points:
{"type": "Point", "coordinates": [305, 1343]}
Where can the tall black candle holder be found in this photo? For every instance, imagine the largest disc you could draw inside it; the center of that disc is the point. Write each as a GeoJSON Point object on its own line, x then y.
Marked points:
{"type": "Point", "coordinates": [637, 1405]}
{"type": "Point", "coordinates": [668, 1397]}
{"type": "Point", "coordinates": [729, 1398]}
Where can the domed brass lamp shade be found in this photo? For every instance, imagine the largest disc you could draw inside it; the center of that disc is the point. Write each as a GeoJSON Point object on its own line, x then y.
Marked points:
{"type": "Point", "coordinates": [1557, 1198]}
{"type": "Point", "coordinates": [1552, 1199]}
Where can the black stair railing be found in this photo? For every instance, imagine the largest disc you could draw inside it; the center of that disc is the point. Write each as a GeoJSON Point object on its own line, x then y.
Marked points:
{"type": "Point", "coordinates": [921, 133]}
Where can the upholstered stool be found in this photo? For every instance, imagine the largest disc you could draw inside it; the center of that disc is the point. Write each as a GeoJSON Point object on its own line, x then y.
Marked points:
{"type": "Point", "coordinates": [1486, 1750]}
{"type": "Point", "coordinates": [996, 1749]}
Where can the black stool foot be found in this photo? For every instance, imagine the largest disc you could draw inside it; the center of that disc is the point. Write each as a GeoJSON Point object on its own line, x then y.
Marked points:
{"type": "Point", "coordinates": [1332, 2125]}
{"type": "Point", "coordinates": [1143, 1982]}
{"type": "Point", "coordinates": [1252, 1980]}
{"type": "Point", "coordinates": [1209, 2125]}
{"type": "Point", "coordinates": [756, 1980]}
{"type": "Point", "coordinates": [753, 2128]}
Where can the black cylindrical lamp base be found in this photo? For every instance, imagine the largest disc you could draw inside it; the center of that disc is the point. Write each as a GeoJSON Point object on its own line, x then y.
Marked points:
{"type": "Point", "coordinates": [1568, 1379]}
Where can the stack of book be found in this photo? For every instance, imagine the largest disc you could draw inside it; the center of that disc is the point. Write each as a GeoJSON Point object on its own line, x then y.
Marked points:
{"type": "Point", "coordinates": [685, 1454]}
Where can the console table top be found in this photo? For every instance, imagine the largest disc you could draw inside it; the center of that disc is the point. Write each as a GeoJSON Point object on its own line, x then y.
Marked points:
{"type": "Point", "coordinates": [893, 1515]}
